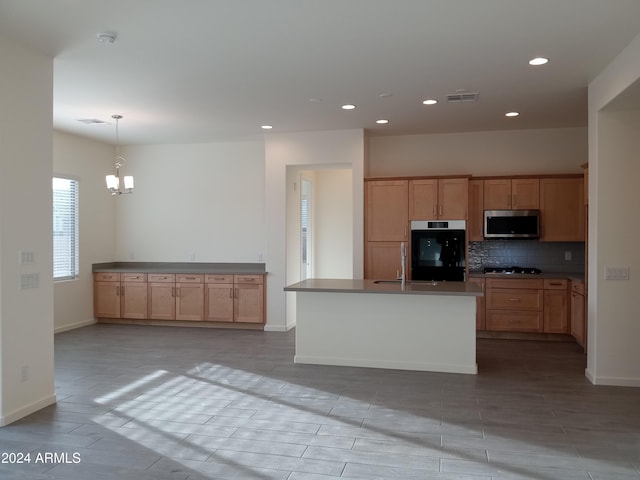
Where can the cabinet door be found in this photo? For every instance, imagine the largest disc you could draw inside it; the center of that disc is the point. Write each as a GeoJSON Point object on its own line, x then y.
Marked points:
{"type": "Point", "coordinates": [387, 210]}
{"type": "Point", "coordinates": [556, 311]}
{"type": "Point", "coordinates": [453, 198]}
{"type": "Point", "coordinates": [525, 193]}
{"type": "Point", "coordinates": [161, 301]}
{"type": "Point", "coordinates": [218, 304]}
{"type": "Point", "coordinates": [384, 261]}
{"type": "Point", "coordinates": [423, 199]}
{"type": "Point", "coordinates": [106, 299]}
{"type": "Point", "coordinates": [562, 209]}
{"type": "Point", "coordinates": [475, 227]}
{"type": "Point", "coordinates": [134, 300]}
{"type": "Point", "coordinates": [189, 301]}
{"type": "Point", "coordinates": [248, 303]}
{"type": "Point", "coordinates": [497, 194]}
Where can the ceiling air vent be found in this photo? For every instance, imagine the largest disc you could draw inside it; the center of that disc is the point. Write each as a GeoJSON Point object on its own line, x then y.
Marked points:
{"type": "Point", "coordinates": [462, 97]}
{"type": "Point", "coordinates": [92, 121]}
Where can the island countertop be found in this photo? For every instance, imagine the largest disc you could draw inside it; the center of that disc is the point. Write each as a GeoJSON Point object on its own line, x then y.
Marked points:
{"type": "Point", "coordinates": [385, 287]}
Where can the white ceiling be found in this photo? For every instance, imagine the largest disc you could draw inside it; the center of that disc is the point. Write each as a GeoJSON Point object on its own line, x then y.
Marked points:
{"type": "Point", "coordinates": [185, 71]}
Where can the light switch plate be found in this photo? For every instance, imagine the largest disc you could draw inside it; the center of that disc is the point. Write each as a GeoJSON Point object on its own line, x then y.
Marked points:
{"type": "Point", "coordinates": [616, 273]}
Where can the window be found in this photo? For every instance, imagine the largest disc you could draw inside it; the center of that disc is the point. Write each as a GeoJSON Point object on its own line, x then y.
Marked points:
{"type": "Point", "coordinates": [65, 228]}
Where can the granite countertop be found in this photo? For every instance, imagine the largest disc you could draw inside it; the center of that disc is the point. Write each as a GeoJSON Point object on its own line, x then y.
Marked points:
{"type": "Point", "coordinates": [385, 286]}
{"type": "Point", "coordinates": [182, 267]}
{"type": "Point", "coordinates": [568, 275]}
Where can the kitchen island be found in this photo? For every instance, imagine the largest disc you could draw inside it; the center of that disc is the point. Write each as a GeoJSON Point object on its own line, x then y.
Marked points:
{"type": "Point", "coordinates": [364, 323]}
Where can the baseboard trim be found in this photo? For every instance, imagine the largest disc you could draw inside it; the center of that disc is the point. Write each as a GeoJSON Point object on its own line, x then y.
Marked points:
{"type": "Point", "coordinates": [283, 328]}
{"type": "Point", "coordinates": [27, 410]}
{"type": "Point", "coordinates": [612, 381]}
{"type": "Point", "coordinates": [73, 326]}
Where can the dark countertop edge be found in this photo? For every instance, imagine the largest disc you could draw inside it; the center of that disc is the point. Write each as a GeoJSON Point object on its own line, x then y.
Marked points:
{"type": "Point", "coordinates": [181, 267]}
{"type": "Point", "coordinates": [568, 275]}
{"type": "Point", "coordinates": [460, 289]}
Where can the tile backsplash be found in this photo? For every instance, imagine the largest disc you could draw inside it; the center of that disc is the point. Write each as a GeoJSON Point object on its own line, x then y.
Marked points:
{"type": "Point", "coordinates": [547, 256]}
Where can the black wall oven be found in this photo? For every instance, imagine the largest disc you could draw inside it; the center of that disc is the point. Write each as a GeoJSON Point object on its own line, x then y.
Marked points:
{"type": "Point", "coordinates": [438, 250]}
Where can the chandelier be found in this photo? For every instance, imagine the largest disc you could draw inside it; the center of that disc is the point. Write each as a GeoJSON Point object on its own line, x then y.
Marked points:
{"type": "Point", "coordinates": [113, 181]}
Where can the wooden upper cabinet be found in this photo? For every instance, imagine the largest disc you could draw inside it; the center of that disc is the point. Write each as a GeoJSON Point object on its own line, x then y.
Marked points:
{"type": "Point", "coordinates": [387, 210]}
{"type": "Point", "coordinates": [516, 193]}
{"type": "Point", "coordinates": [423, 199]}
{"type": "Point", "coordinates": [443, 198]}
{"type": "Point", "coordinates": [562, 209]}
{"type": "Point", "coordinates": [475, 226]}
{"type": "Point", "coordinates": [453, 198]}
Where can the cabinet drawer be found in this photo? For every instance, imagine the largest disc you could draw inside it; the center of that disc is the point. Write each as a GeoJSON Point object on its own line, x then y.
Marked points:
{"type": "Point", "coordinates": [515, 299]}
{"type": "Point", "coordinates": [256, 279]}
{"type": "Point", "coordinates": [515, 283]}
{"type": "Point", "coordinates": [556, 284]}
{"type": "Point", "coordinates": [577, 287]}
{"type": "Point", "coordinates": [106, 277]}
{"type": "Point", "coordinates": [218, 279]}
{"type": "Point", "coordinates": [189, 278]}
{"type": "Point", "coordinates": [133, 277]}
{"type": "Point", "coordinates": [514, 321]}
{"type": "Point", "coordinates": [161, 277]}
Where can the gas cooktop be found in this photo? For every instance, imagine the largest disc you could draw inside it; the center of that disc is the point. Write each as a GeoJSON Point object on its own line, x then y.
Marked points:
{"type": "Point", "coordinates": [512, 270]}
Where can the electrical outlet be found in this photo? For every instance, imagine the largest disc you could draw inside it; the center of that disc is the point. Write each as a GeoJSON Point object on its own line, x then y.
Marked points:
{"type": "Point", "coordinates": [192, 256]}
{"type": "Point", "coordinates": [567, 256]}
{"type": "Point", "coordinates": [25, 373]}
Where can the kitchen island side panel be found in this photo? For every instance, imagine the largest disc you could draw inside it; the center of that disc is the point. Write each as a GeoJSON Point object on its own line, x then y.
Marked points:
{"type": "Point", "coordinates": [406, 332]}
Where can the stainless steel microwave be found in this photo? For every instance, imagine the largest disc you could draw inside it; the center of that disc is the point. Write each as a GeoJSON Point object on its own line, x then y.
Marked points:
{"type": "Point", "coordinates": [512, 223]}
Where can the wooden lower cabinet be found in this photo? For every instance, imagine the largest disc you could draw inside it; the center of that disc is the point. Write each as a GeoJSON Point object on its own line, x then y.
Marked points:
{"type": "Point", "coordinates": [133, 295]}
{"type": "Point", "coordinates": [106, 295]}
{"type": "Point", "coordinates": [218, 298]}
{"type": "Point", "coordinates": [248, 304]}
{"type": "Point", "coordinates": [556, 306]}
{"type": "Point", "coordinates": [234, 298]}
{"type": "Point", "coordinates": [161, 296]}
{"type": "Point", "coordinates": [190, 297]}
{"type": "Point", "coordinates": [180, 297]}
{"type": "Point", "coordinates": [120, 295]}
{"type": "Point", "coordinates": [515, 305]}
{"type": "Point", "coordinates": [527, 305]}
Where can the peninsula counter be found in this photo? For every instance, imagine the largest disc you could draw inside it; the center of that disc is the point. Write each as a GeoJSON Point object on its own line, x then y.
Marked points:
{"type": "Point", "coordinates": [423, 326]}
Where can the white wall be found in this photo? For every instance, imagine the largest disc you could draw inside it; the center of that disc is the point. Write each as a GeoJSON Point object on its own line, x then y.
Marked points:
{"type": "Point", "coordinates": [26, 315]}
{"type": "Point", "coordinates": [337, 148]}
{"type": "Point", "coordinates": [87, 161]}
{"type": "Point", "coordinates": [512, 152]}
{"type": "Point", "coordinates": [202, 202]}
{"type": "Point", "coordinates": [614, 225]}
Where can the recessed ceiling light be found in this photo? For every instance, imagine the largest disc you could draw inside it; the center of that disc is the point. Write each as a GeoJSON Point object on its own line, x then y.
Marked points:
{"type": "Point", "coordinates": [348, 106]}
{"type": "Point", "coordinates": [538, 61]}
{"type": "Point", "coordinates": [511, 114]}
{"type": "Point", "coordinates": [315, 100]}
{"type": "Point", "coordinates": [107, 37]}
{"type": "Point", "coordinates": [382, 121]}
{"type": "Point", "coordinates": [385, 95]}
{"type": "Point", "coordinates": [266, 127]}
{"type": "Point", "coordinates": [430, 101]}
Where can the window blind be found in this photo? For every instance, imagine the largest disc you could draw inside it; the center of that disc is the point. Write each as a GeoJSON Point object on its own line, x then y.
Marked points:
{"type": "Point", "coordinates": [65, 228]}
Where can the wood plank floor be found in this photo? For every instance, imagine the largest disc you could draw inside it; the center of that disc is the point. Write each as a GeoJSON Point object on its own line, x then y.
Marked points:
{"type": "Point", "coordinates": [174, 403]}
